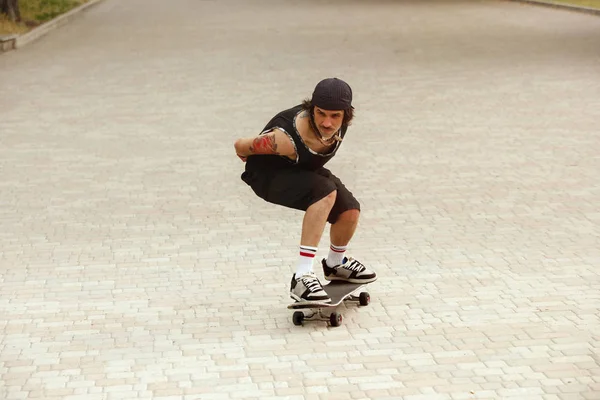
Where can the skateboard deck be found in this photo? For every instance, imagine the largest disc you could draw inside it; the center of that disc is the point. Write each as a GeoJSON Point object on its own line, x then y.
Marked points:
{"type": "Point", "coordinates": [338, 292]}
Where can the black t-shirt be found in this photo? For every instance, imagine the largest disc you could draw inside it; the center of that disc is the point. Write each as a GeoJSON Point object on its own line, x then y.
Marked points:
{"type": "Point", "coordinates": [305, 157]}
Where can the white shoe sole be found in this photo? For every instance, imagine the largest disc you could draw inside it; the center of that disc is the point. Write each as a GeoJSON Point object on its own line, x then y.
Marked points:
{"type": "Point", "coordinates": [299, 299]}
{"type": "Point", "coordinates": [364, 281]}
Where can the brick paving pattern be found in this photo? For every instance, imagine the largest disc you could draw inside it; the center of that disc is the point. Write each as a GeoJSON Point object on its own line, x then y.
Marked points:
{"type": "Point", "coordinates": [135, 264]}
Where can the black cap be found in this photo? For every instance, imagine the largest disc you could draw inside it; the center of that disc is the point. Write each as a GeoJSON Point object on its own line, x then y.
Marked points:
{"type": "Point", "coordinates": [332, 94]}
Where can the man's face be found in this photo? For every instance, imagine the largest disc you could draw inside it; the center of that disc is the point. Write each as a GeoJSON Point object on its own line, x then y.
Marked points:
{"type": "Point", "coordinates": [328, 122]}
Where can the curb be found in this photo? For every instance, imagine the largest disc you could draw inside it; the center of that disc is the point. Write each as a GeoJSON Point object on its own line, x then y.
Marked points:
{"type": "Point", "coordinates": [563, 6]}
{"type": "Point", "coordinates": [12, 42]}
{"type": "Point", "coordinates": [7, 42]}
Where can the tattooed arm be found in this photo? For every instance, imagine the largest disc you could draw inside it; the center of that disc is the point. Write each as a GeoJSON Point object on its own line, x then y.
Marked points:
{"type": "Point", "coordinates": [274, 142]}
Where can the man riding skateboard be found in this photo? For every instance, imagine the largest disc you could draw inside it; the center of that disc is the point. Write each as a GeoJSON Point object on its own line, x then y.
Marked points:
{"type": "Point", "coordinates": [284, 166]}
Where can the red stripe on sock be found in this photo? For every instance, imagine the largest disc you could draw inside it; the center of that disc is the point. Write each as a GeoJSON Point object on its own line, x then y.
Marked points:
{"type": "Point", "coordinates": [337, 250]}
{"type": "Point", "coordinates": [311, 255]}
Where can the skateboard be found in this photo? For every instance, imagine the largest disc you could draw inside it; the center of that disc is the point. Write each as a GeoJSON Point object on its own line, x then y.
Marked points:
{"type": "Point", "coordinates": [339, 292]}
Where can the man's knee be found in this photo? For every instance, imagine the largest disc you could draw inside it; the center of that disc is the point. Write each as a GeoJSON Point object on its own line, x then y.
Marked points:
{"type": "Point", "coordinates": [349, 216]}
{"type": "Point", "coordinates": [326, 202]}
{"type": "Point", "coordinates": [329, 200]}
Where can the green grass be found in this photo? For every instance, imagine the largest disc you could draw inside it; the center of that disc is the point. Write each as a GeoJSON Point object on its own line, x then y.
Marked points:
{"type": "Point", "coordinates": [581, 3]}
{"type": "Point", "coordinates": [36, 12]}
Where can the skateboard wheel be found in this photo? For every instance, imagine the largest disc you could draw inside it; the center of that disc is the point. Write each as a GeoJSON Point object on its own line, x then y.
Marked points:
{"type": "Point", "coordinates": [335, 319]}
{"type": "Point", "coordinates": [364, 299]}
{"type": "Point", "coordinates": [298, 318]}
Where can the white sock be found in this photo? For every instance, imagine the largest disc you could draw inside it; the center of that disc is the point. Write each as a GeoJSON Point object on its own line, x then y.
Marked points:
{"type": "Point", "coordinates": [305, 262]}
{"type": "Point", "coordinates": [336, 255]}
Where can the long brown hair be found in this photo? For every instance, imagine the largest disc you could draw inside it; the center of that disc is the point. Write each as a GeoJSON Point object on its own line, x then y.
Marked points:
{"type": "Point", "coordinates": [348, 114]}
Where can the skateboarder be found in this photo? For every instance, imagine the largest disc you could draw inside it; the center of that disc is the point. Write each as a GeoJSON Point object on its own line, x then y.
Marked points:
{"type": "Point", "coordinates": [284, 166]}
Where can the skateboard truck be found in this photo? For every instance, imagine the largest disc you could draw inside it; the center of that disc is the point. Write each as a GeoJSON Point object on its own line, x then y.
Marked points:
{"type": "Point", "coordinates": [340, 292]}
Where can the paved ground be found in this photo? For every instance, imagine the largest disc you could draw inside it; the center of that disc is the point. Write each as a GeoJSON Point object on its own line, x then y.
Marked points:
{"type": "Point", "coordinates": [135, 264]}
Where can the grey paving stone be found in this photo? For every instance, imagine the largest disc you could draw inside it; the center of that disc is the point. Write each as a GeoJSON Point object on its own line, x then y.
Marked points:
{"type": "Point", "coordinates": [136, 264]}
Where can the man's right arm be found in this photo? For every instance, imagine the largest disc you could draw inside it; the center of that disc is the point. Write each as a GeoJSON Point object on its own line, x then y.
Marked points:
{"type": "Point", "coordinates": [274, 142]}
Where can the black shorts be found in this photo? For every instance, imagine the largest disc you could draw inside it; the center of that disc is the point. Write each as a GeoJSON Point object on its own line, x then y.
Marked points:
{"type": "Point", "coordinates": [299, 189]}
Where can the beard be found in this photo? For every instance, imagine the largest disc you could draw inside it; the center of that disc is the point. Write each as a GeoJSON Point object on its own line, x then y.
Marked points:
{"type": "Point", "coordinates": [327, 132]}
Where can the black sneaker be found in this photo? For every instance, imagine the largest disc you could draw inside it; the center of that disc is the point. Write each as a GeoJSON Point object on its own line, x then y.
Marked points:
{"type": "Point", "coordinates": [307, 288]}
{"type": "Point", "coordinates": [350, 270]}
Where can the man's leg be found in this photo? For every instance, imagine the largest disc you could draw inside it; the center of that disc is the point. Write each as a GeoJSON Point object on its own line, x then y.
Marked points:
{"type": "Point", "coordinates": [315, 219]}
{"type": "Point", "coordinates": [313, 226]}
{"type": "Point", "coordinates": [341, 233]}
{"type": "Point", "coordinates": [345, 226]}
{"type": "Point", "coordinates": [305, 286]}
{"type": "Point", "coordinates": [316, 196]}
{"type": "Point", "coordinates": [344, 220]}
{"type": "Point", "coordinates": [337, 266]}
